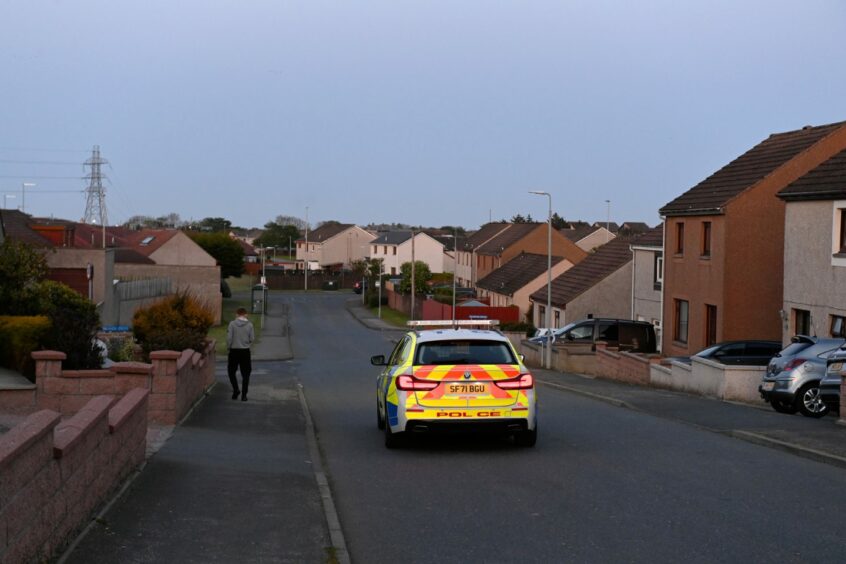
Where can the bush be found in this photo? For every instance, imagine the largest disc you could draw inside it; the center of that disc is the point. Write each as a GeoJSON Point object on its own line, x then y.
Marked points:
{"type": "Point", "coordinates": [74, 325]}
{"type": "Point", "coordinates": [121, 349]}
{"type": "Point", "coordinates": [373, 300]}
{"type": "Point", "coordinates": [225, 290]}
{"type": "Point", "coordinates": [176, 323]}
{"type": "Point", "coordinates": [526, 328]}
{"type": "Point", "coordinates": [19, 336]}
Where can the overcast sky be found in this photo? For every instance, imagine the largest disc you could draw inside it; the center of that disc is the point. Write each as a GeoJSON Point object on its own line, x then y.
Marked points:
{"type": "Point", "coordinates": [421, 112]}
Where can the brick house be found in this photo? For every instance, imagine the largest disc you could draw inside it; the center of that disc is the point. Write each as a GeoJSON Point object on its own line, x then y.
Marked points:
{"type": "Point", "coordinates": [334, 246]}
{"type": "Point", "coordinates": [513, 283]}
{"type": "Point", "coordinates": [497, 243]}
{"type": "Point", "coordinates": [393, 248]}
{"type": "Point", "coordinates": [724, 243]}
{"type": "Point", "coordinates": [599, 286]}
{"type": "Point", "coordinates": [815, 252]}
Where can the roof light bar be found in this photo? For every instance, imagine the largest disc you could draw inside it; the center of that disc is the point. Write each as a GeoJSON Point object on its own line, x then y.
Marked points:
{"type": "Point", "coordinates": [432, 323]}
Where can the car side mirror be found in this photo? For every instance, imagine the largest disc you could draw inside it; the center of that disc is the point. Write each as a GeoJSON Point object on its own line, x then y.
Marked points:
{"type": "Point", "coordinates": [378, 360]}
{"type": "Point", "coordinates": [522, 357]}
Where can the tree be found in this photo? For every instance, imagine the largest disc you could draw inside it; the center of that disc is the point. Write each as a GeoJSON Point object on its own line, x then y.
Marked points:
{"type": "Point", "coordinates": [22, 266]}
{"type": "Point", "coordinates": [226, 251]}
{"type": "Point", "coordinates": [422, 274]}
{"type": "Point", "coordinates": [277, 235]}
{"type": "Point", "coordinates": [559, 222]}
{"type": "Point", "coordinates": [520, 219]}
{"type": "Point", "coordinates": [214, 224]}
{"type": "Point", "coordinates": [73, 325]}
{"type": "Point", "coordinates": [300, 224]}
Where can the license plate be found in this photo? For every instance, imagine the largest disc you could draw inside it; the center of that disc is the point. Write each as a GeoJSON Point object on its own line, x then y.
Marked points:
{"type": "Point", "coordinates": [768, 386]}
{"type": "Point", "coordinates": [464, 389]}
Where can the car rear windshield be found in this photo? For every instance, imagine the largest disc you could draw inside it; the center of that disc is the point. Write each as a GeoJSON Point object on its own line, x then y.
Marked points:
{"type": "Point", "coordinates": [794, 348]}
{"type": "Point", "coordinates": [465, 352]}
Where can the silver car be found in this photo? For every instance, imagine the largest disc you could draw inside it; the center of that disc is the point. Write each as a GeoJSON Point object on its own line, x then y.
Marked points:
{"type": "Point", "coordinates": [792, 380]}
{"type": "Point", "coordinates": [830, 384]}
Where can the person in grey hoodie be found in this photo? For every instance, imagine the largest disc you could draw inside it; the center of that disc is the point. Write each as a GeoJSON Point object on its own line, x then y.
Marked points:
{"type": "Point", "coordinates": [239, 336]}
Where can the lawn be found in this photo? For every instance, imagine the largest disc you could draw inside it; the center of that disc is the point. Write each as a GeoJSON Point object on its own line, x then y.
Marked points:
{"type": "Point", "coordinates": [392, 316]}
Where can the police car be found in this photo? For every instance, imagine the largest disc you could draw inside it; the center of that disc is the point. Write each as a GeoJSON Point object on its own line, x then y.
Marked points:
{"type": "Point", "coordinates": [463, 377]}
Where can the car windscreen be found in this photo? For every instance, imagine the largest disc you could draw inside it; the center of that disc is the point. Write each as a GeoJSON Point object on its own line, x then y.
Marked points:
{"type": "Point", "coordinates": [794, 348]}
{"type": "Point", "coordinates": [464, 351]}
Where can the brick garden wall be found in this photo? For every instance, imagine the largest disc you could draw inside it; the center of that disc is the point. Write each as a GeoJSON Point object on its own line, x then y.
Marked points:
{"type": "Point", "coordinates": [55, 474]}
{"type": "Point", "coordinates": [176, 381]}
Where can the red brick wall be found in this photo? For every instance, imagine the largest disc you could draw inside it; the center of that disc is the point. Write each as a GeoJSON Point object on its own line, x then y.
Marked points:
{"type": "Point", "coordinates": [623, 366]}
{"type": "Point", "coordinates": [54, 475]}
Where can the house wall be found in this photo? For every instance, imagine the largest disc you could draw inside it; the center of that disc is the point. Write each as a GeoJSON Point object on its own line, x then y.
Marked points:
{"type": "Point", "coordinates": [389, 255]}
{"type": "Point", "coordinates": [347, 246]}
{"type": "Point", "coordinates": [181, 250]}
{"type": "Point", "coordinates": [201, 281]}
{"type": "Point", "coordinates": [521, 296]}
{"type": "Point", "coordinates": [646, 299]}
{"type": "Point", "coordinates": [103, 261]}
{"type": "Point", "coordinates": [611, 297]}
{"type": "Point", "coordinates": [537, 241]}
{"type": "Point", "coordinates": [595, 239]}
{"type": "Point", "coordinates": [813, 279]}
{"type": "Point", "coordinates": [700, 281]}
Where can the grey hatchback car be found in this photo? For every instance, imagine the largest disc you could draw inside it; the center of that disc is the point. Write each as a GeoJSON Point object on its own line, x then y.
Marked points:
{"type": "Point", "coordinates": [792, 380]}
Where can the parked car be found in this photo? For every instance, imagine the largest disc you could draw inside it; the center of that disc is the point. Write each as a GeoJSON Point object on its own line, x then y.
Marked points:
{"type": "Point", "coordinates": [359, 286]}
{"type": "Point", "coordinates": [627, 334]}
{"type": "Point", "coordinates": [830, 383]}
{"type": "Point", "coordinates": [792, 380]}
{"type": "Point", "coordinates": [746, 353]}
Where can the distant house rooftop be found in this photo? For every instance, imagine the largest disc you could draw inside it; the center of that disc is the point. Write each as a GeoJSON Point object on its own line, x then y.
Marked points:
{"type": "Point", "coordinates": [516, 273]}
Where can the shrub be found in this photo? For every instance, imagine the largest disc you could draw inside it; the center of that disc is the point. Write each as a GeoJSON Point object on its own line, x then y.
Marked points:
{"type": "Point", "coordinates": [176, 323]}
{"type": "Point", "coordinates": [225, 290]}
{"type": "Point", "coordinates": [121, 349]}
{"type": "Point", "coordinates": [19, 336]}
{"type": "Point", "coordinates": [526, 328]}
{"type": "Point", "coordinates": [373, 300]}
{"type": "Point", "coordinates": [74, 323]}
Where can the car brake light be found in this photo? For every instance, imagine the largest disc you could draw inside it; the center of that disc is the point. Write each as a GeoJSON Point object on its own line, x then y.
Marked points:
{"type": "Point", "coordinates": [521, 382]}
{"type": "Point", "coordinates": [410, 383]}
{"type": "Point", "coordinates": [796, 362]}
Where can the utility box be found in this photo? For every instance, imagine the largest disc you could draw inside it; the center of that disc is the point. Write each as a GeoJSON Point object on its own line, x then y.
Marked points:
{"type": "Point", "coordinates": [259, 298]}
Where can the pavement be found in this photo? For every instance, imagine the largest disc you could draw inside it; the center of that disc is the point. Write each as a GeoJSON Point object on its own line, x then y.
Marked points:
{"type": "Point", "coordinates": [219, 469]}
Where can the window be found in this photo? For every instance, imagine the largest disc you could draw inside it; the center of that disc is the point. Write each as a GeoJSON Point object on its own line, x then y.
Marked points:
{"type": "Point", "coordinates": [682, 318]}
{"type": "Point", "coordinates": [393, 270]}
{"type": "Point", "coordinates": [658, 271]}
{"type": "Point", "coordinates": [710, 325]}
{"type": "Point", "coordinates": [843, 230]}
{"type": "Point", "coordinates": [706, 238]}
{"type": "Point", "coordinates": [801, 322]}
{"type": "Point", "coordinates": [838, 326]}
{"type": "Point", "coordinates": [375, 250]}
{"type": "Point", "coordinates": [384, 249]}
{"type": "Point", "coordinates": [679, 238]}
{"type": "Point", "coordinates": [557, 315]}
{"type": "Point", "coordinates": [394, 249]}
{"type": "Point", "coordinates": [542, 315]}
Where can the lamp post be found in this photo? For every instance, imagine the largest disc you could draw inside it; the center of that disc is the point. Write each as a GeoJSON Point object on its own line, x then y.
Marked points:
{"type": "Point", "coordinates": [548, 278]}
{"type": "Point", "coordinates": [24, 186]}
{"type": "Point", "coordinates": [5, 198]}
{"type": "Point", "coordinates": [305, 255]}
{"type": "Point", "coordinates": [607, 220]}
{"type": "Point", "coordinates": [454, 268]}
{"type": "Point", "coordinates": [379, 285]}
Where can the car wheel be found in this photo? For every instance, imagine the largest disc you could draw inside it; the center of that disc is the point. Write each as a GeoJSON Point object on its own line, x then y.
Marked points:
{"type": "Point", "coordinates": [809, 402]}
{"type": "Point", "coordinates": [527, 438]}
{"type": "Point", "coordinates": [783, 406]}
{"type": "Point", "coordinates": [392, 440]}
{"type": "Point", "coordinates": [380, 421]}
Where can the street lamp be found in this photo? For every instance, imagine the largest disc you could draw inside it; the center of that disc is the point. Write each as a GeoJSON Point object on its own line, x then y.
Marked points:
{"type": "Point", "coordinates": [607, 220]}
{"type": "Point", "coordinates": [5, 198]}
{"type": "Point", "coordinates": [24, 186]}
{"type": "Point", "coordinates": [548, 277]}
{"type": "Point", "coordinates": [305, 256]}
{"type": "Point", "coordinates": [454, 268]}
{"type": "Point", "coordinates": [379, 285]}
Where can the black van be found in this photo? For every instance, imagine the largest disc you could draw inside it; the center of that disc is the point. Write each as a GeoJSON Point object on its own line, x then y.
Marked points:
{"type": "Point", "coordinates": [627, 334]}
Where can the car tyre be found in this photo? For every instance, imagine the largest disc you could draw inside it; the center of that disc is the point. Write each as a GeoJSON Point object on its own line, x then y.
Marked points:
{"type": "Point", "coordinates": [783, 406]}
{"type": "Point", "coordinates": [809, 402]}
{"type": "Point", "coordinates": [380, 421]}
{"type": "Point", "coordinates": [527, 438]}
{"type": "Point", "coordinates": [392, 440]}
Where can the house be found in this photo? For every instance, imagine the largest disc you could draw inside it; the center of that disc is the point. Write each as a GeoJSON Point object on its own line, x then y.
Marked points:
{"type": "Point", "coordinates": [647, 277]}
{"type": "Point", "coordinates": [725, 243]}
{"type": "Point", "coordinates": [588, 237]}
{"type": "Point", "coordinates": [497, 243]}
{"type": "Point", "coordinates": [394, 248]}
{"type": "Point", "coordinates": [815, 252]}
{"type": "Point", "coordinates": [609, 225]}
{"type": "Point", "coordinates": [633, 228]}
{"type": "Point", "coordinates": [514, 282]}
{"type": "Point", "coordinates": [598, 286]}
{"type": "Point", "coordinates": [333, 246]}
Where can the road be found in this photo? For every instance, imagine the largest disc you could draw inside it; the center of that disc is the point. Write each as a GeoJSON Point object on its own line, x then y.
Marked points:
{"type": "Point", "coordinates": [604, 484]}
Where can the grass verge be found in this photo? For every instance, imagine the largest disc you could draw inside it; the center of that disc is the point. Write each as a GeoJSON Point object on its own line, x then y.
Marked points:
{"type": "Point", "coordinates": [392, 316]}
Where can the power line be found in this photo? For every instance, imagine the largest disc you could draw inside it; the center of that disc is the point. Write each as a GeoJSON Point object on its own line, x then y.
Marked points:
{"type": "Point", "coordinates": [26, 177]}
{"type": "Point", "coordinates": [23, 150]}
{"type": "Point", "coordinates": [5, 161]}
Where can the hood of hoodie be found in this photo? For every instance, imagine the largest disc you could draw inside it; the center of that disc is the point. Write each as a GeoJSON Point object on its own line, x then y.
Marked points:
{"type": "Point", "coordinates": [240, 321]}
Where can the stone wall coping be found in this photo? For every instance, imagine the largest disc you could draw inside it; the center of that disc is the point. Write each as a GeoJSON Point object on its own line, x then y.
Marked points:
{"type": "Point", "coordinates": [126, 407]}
{"type": "Point", "coordinates": [727, 367]}
{"type": "Point", "coordinates": [165, 355]}
{"type": "Point", "coordinates": [48, 355]}
{"type": "Point", "coordinates": [94, 373]}
{"type": "Point", "coordinates": [184, 358]}
{"type": "Point", "coordinates": [70, 432]}
{"type": "Point", "coordinates": [20, 437]}
{"type": "Point", "coordinates": [131, 368]}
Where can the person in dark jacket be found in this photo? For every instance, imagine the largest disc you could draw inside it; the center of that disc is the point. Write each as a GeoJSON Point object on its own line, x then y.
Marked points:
{"type": "Point", "coordinates": [239, 337]}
